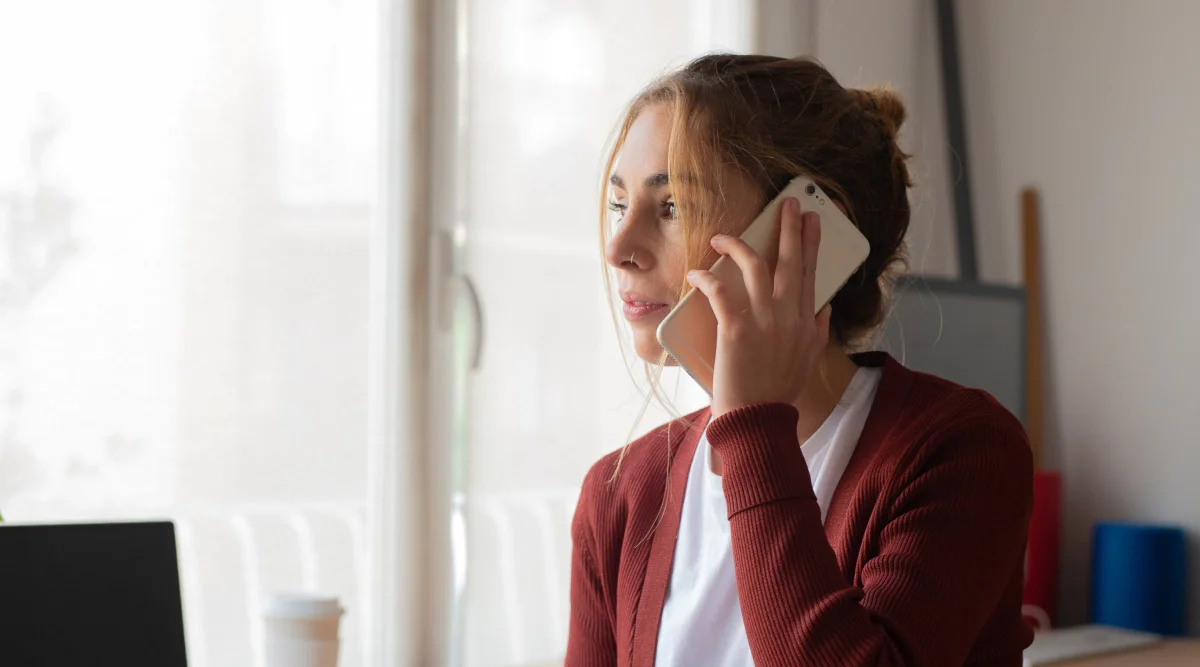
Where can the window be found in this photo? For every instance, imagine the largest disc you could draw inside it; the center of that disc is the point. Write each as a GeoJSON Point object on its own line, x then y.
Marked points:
{"type": "Point", "coordinates": [186, 197]}
{"type": "Point", "coordinates": [546, 83]}
{"type": "Point", "coordinates": [190, 295]}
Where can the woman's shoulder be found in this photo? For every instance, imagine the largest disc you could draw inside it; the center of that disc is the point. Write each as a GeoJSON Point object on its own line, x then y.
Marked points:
{"type": "Point", "coordinates": [628, 484]}
{"type": "Point", "coordinates": [938, 404]}
{"type": "Point", "coordinates": [920, 403]}
{"type": "Point", "coordinates": [942, 422]}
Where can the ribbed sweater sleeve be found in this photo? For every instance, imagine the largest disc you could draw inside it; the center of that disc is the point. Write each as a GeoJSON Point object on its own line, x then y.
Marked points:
{"type": "Point", "coordinates": [955, 529]}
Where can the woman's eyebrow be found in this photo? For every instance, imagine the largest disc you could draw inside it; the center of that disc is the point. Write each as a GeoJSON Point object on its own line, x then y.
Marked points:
{"type": "Point", "coordinates": [652, 181]}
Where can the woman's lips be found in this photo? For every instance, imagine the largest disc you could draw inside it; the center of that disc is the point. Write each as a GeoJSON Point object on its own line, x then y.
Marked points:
{"type": "Point", "coordinates": [636, 310]}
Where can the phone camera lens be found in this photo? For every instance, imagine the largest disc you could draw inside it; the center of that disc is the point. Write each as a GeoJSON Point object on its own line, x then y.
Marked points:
{"type": "Point", "coordinates": [811, 189]}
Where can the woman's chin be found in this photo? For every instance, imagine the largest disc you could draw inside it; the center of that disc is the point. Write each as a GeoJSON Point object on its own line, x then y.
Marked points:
{"type": "Point", "coordinates": [651, 351]}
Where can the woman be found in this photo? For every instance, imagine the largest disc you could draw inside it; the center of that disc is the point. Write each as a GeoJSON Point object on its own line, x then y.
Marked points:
{"type": "Point", "coordinates": [895, 534]}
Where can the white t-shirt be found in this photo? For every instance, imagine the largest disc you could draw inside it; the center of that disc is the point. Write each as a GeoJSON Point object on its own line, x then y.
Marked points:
{"type": "Point", "coordinates": [702, 619]}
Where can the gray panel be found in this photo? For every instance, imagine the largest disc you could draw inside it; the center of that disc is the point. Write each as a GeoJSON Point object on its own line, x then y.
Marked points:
{"type": "Point", "coordinates": [971, 334]}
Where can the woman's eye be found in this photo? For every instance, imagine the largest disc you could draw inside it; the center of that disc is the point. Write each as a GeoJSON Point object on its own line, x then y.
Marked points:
{"type": "Point", "coordinates": [672, 213]}
{"type": "Point", "coordinates": [617, 208]}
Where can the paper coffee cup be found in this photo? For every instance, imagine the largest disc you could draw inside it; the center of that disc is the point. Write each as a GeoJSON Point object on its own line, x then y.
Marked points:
{"type": "Point", "coordinates": [301, 630]}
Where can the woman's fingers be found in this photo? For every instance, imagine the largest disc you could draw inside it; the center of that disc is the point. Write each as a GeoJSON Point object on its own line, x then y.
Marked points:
{"type": "Point", "coordinates": [791, 258]}
{"type": "Point", "coordinates": [755, 272]}
{"type": "Point", "coordinates": [796, 273]}
{"type": "Point", "coordinates": [792, 290]}
{"type": "Point", "coordinates": [717, 294]}
{"type": "Point", "coordinates": [810, 242]}
{"type": "Point", "coordinates": [823, 318]}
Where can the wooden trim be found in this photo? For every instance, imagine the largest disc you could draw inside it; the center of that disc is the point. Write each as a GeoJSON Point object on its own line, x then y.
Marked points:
{"type": "Point", "coordinates": [1034, 395]}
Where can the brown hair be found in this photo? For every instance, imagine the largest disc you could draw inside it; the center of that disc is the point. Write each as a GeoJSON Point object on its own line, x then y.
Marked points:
{"type": "Point", "coordinates": [772, 119]}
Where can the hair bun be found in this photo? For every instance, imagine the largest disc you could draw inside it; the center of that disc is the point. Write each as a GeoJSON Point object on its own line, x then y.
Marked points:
{"type": "Point", "coordinates": [884, 103]}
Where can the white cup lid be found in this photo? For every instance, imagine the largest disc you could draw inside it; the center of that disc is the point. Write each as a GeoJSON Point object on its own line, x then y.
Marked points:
{"type": "Point", "coordinates": [301, 605]}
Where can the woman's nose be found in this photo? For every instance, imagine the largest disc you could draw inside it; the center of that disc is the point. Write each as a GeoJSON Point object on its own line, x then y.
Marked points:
{"type": "Point", "coordinates": [623, 253]}
{"type": "Point", "coordinates": [626, 248]}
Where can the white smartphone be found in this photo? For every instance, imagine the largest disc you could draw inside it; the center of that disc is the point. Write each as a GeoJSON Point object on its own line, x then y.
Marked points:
{"type": "Point", "coordinates": [689, 331]}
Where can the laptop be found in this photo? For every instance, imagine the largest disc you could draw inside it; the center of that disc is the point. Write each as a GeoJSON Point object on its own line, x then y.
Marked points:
{"type": "Point", "coordinates": [90, 594]}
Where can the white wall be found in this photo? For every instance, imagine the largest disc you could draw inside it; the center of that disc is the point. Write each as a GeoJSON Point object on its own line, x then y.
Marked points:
{"type": "Point", "coordinates": [1096, 103]}
{"type": "Point", "coordinates": [865, 42]}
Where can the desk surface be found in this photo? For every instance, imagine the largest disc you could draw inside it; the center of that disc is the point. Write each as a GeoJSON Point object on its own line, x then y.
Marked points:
{"type": "Point", "coordinates": [1171, 653]}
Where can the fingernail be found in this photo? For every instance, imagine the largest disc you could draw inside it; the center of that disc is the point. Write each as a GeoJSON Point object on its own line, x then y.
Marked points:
{"type": "Point", "coordinates": [793, 205]}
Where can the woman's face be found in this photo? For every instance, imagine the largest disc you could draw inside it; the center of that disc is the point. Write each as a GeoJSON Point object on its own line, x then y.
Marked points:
{"type": "Point", "coordinates": [647, 248]}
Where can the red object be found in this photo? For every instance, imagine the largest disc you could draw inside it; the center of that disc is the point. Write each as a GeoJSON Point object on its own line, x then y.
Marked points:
{"type": "Point", "coordinates": [1041, 557]}
{"type": "Point", "coordinates": [919, 561]}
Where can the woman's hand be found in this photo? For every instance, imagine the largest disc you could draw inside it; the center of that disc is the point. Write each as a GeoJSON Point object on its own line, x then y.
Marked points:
{"type": "Point", "coordinates": [767, 349]}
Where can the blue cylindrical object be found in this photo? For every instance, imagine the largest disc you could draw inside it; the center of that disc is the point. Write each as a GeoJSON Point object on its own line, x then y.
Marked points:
{"type": "Point", "coordinates": [1139, 577]}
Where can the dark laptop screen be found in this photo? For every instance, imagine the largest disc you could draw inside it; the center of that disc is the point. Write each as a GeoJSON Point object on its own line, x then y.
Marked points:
{"type": "Point", "coordinates": [90, 594]}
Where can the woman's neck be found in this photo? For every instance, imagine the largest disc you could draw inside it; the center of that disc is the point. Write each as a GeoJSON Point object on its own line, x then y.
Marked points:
{"type": "Point", "coordinates": [821, 394]}
{"type": "Point", "coordinates": [824, 389]}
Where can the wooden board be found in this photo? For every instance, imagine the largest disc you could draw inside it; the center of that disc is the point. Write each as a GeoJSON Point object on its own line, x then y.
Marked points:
{"type": "Point", "coordinates": [1034, 333]}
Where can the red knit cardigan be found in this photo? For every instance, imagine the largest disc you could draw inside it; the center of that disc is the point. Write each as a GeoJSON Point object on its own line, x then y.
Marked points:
{"type": "Point", "coordinates": [919, 561]}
